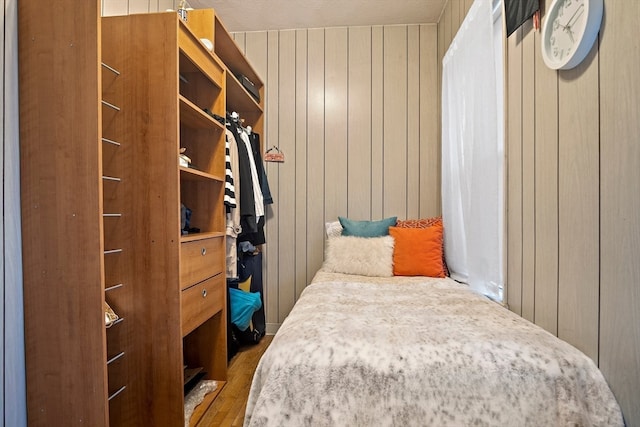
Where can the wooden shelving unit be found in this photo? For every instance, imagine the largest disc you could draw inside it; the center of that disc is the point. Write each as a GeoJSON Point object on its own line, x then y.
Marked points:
{"type": "Point", "coordinates": [174, 86]}
{"type": "Point", "coordinates": [205, 23]}
{"type": "Point", "coordinates": [102, 191]}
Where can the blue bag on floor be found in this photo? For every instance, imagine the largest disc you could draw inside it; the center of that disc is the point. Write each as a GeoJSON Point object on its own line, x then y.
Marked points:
{"type": "Point", "coordinates": [243, 305]}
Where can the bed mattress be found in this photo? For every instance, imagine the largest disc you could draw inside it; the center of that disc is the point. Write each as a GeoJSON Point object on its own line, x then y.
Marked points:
{"type": "Point", "coordinates": [416, 351]}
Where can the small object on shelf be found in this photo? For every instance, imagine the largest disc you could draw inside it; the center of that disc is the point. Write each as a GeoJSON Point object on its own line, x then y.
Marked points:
{"type": "Point", "coordinates": [207, 44]}
{"type": "Point", "coordinates": [185, 221]}
{"type": "Point", "coordinates": [183, 159]}
{"type": "Point", "coordinates": [274, 154]}
{"type": "Point", "coordinates": [110, 316]}
{"type": "Point", "coordinates": [218, 118]}
{"type": "Point", "coordinates": [249, 86]}
{"type": "Point", "coordinates": [196, 396]}
{"type": "Point", "coordinates": [182, 10]}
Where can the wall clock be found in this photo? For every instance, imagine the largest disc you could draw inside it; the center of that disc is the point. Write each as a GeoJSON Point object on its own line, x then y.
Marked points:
{"type": "Point", "coordinates": [569, 30]}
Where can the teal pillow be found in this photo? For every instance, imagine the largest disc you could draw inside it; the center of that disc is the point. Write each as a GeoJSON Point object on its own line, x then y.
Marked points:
{"type": "Point", "coordinates": [366, 228]}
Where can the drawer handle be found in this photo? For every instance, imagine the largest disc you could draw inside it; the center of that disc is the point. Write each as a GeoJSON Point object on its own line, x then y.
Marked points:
{"type": "Point", "coordinates": [204, 293]}
{"type": "Point", "coordinates": [203, 251]}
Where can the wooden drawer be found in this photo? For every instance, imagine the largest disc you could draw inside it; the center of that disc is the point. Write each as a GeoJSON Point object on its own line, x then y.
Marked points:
{"type": "Point", "coordinates": [201, 259]}
{"type": "Point", "coordinates": [201, 301]}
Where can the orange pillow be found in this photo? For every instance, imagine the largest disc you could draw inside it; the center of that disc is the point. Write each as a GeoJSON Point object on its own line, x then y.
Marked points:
{"type": "Point", "coordinates": [424, 223]}
{"type": "Point", "coordinates": [418, 251]}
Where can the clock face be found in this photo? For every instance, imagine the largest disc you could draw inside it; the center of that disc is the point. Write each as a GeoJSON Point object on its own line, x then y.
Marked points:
{"type": "Point", "coordinates": [566, 29]}
{"type": "Point", "coordinates": [570, 28]}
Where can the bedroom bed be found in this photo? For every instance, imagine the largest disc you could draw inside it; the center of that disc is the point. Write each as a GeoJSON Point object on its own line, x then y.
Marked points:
{"type": "Point", "coordinates": [419, 351]}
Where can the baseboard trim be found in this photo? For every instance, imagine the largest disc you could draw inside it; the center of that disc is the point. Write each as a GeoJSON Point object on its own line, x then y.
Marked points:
{"type": "Point", "coordinates": [272, 328]}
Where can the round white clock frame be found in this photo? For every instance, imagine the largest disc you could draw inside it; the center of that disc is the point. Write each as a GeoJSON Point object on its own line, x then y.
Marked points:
{"type": "Point", "coordinates": [569, 31]}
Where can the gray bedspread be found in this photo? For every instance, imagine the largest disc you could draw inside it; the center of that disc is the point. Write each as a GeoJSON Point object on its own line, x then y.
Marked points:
{"type": "Point", "coordinates": [359, 351]}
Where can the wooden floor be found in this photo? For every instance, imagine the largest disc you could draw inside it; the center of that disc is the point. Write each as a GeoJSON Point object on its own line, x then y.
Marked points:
{"type": "Point", "coordinates": [228, 408]}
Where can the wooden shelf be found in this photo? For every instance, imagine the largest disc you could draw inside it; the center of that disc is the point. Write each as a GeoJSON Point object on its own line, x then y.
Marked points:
{"type": "Point", "coordinates": [195, 117]}
{"type": "Point", "coordinates": [189, 174]}
{"type": "Point", "coordinates": [231, 55]}
{"type": "Point", "coordinates": [196, 53]}
{"type": "Point", "coordinates": [200, 236]}
{"type": "Point", "coordinates": [239, 100]}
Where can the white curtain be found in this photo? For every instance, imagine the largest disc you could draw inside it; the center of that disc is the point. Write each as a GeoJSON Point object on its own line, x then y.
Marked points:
{"type": "Point", "coordinates": [472, 151]}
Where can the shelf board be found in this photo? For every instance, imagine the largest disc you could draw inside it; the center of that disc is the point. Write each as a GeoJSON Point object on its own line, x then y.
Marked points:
{"type": "Point", "coordinates": [199, 56]}
{"type": "Point", "coordinates": [199, 411]}
{"type": "Point", "coordinates": [201, 236]}
{"type": "Point", "coordinates": [231, 55]}
{"type": "Point", "coordinates": [239, 100]}
{"type": "Point", "coordinates": [195, 117]}
{"type": "Point", "coordinates": [190, 174]}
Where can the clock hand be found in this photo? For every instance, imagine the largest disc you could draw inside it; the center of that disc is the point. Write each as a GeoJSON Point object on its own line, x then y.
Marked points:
{"type": "Point", "coordinates": [575, 15]}
{"type": "Point", "coordinates": [567, 28]}
{"type": "Point", "coordinates": [570, 34]}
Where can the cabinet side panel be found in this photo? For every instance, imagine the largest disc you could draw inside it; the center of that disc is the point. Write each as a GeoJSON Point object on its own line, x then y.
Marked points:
{"type": "Point", "coordinates": [61, 212]}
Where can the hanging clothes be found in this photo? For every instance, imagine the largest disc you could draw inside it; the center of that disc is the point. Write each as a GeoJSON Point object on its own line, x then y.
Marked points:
{"type": "Point", "coordinates": [233, 228]}
{"type": "Point", "coordinates": [229, 185]}
{"type": "Point", "coordinates": [262, 175]}
{"type": "Point", "coordinates": [254, 191]}
{"type": "Point", "coordinates": [248, 219]}
{"type": "Point", "coordinates": [255, 180]}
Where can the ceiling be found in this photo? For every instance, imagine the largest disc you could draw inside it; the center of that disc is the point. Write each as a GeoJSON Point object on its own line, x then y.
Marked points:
{"type": "Point", "coordinates": [259, 15]}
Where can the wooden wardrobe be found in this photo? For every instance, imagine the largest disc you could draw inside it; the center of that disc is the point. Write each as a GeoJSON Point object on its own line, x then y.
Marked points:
{"type": "Point", "coordinates": [105, 106]}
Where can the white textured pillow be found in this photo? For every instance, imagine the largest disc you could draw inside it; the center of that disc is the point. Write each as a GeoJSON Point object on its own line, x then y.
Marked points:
{"type": "Point", "coordinates": [366, 256]}
{"type": "Point", "coordinates": [334, 229]}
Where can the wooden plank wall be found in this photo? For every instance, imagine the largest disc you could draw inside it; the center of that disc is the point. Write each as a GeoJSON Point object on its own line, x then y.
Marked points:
{"type": "Point", "coordinates": [126, 7]}
{"type": "Point", "coordinates": [355, 111]}
{"type": "Point", "coordinates": [573, 222]}
{"type": "Point", "coordinates": [573, 205]}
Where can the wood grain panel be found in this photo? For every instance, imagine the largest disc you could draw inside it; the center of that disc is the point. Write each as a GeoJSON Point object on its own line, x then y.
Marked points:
{"type": "Point", "coordinates": [157, 176]}
{"type": "Point", "coordinates": [62, 279]}
{"type": "Point", "coordinates": [514, 172]}
{"type": "Point", "coordinates": [528, 171]}
{"type": "Point", "coordinates": [578, 193]}
{"type": "Point", "coordinates": [430, 148]}
{"type": "Point", "coordinates": [413, 122]}
{"type": "Point", "coordinates": [360, 125]}
{"type": "Point", "coordinates": [377, 121]}
{"type": "Point", "coordinates": [620, 207]}
{"type": "Point", "coordinates": [546, 194]}
{"type": "Point", "coordinates": [11, 309]}
{"type": "Point", "coordinates": [286, 171]}
{"type": "Point", "coordinates": [272, 131]}
{"type": "Point", "coordinates": [315, 151]}
{"type": "Point", "coordinates": [395, 121]}
{"type": "Point", "coordinates": [335, 141]}
{"type": "Point", "coordinates": [301, 136]}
